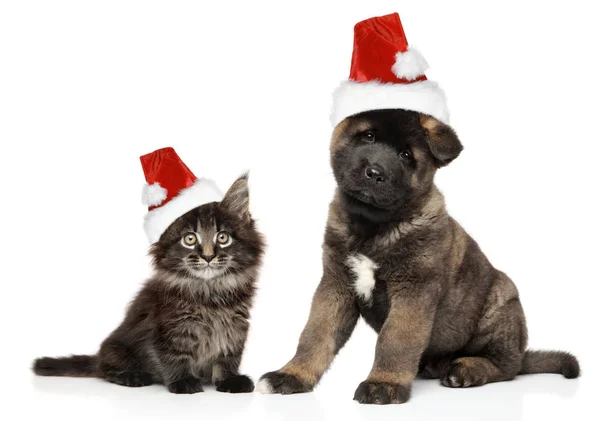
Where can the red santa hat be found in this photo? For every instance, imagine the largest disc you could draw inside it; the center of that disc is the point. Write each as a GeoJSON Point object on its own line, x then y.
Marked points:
{"type": "Point", "coordinates": [171, 191]}
{"type": "Point", "coordinates": [386, 74]}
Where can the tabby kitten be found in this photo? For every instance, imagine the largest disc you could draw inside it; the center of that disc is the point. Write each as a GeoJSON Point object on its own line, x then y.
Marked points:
{"type": "Point", "coordinates": [188, 324]}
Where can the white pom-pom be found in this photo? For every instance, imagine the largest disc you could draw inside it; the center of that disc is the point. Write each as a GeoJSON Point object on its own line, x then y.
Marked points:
{"type": "Point", "coordinates": [410, 65]}
{"type": "Point", "coordinates": [153, 194]}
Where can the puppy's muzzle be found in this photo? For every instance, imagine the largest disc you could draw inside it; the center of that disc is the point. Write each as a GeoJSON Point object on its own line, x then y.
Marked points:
{"type": "Point", "coordinates": [375, 173]}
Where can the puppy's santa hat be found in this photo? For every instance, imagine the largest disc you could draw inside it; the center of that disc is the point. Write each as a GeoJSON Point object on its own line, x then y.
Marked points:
{"type": "Point", "coordinates": [386, 74]}
{"type": "Point", "coordinates": [171, 191]}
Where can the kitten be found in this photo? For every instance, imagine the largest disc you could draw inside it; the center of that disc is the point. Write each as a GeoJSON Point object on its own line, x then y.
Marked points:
{"type": "Point", "coordinates": [188, 324]}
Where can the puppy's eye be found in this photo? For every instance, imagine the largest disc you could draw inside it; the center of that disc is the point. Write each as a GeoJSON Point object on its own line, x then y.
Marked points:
{"type": "Point", "coordinates": [223, 239]}
{"type": "Point", "coordinates": [189, 240]}
{"type": "Point", "coordinates": [369, 137]}
{"type": "Point", "coordinates": [406, 155]}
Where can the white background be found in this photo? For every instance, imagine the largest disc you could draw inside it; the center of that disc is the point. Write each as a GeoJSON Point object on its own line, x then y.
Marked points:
{"type": "Point", "coordinates": [88, 86]}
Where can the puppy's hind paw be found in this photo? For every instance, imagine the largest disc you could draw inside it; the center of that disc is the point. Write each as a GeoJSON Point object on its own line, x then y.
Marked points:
{"type": "Point", "coordinates": [281, 383]}
{"type": "Point", "coordinates": [461, 375]}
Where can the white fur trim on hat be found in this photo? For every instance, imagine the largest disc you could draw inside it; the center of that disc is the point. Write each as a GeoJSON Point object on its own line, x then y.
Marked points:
{"type": "Point", "coordinates": [153, 194]}
{"type": "Point", "coordinates": [410, 64]}
{"type": "Point", "coordinates": [157, 220]}
{"type": "Point", "coordinates": [356, 97]}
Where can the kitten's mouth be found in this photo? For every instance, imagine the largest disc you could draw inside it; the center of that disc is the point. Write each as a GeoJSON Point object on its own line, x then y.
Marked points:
{"type": "Point", "coordinates": [206, 272]}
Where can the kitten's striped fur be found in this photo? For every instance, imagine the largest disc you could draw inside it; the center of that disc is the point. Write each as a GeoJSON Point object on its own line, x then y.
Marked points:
{"type": "Point", "coordinates": [188, 324]}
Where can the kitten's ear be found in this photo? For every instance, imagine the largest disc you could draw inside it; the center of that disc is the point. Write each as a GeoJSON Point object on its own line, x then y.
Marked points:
{"type": "Point", "coordinates": [237, 198]}
{"type": "Point", "coordinates": [442, 140]}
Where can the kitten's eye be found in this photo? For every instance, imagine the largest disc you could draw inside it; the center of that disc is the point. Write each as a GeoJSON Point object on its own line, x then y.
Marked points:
{"type": "Point", "coordinates": [223, 239]}
{"type": "Point", "coordinates": [189, 240]}
{"type": "Point", "coordinates": [406, 155]}
{"type": "Point", "coordinates": [368, 137]}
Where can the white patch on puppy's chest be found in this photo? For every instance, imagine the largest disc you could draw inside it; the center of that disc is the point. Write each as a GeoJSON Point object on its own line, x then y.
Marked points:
{"type": "Point", "coordinates": [363, 270]}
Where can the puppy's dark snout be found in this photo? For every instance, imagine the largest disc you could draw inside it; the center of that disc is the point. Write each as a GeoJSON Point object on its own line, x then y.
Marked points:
{"type": "Point", "coordinates": [375, 173]}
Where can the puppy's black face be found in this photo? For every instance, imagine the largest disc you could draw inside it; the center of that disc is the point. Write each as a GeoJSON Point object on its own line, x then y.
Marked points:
{"type": "Point", "coordinates": [384, 161]}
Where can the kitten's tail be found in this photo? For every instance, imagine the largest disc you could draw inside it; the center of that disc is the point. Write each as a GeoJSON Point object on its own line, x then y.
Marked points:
{"type": "Point", "coordinates": [73, 366]}
{"type": "Point", "coordinates": [557, 362]}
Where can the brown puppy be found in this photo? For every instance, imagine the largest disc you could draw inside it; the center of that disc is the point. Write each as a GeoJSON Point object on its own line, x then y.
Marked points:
{"type": "Point", "coordinates": [394, 256]}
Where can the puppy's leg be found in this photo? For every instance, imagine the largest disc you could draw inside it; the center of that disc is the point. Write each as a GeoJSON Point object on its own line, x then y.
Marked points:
{"type": "Point", "coordinates": [332, 319]}
{"type": "Point", "coordinates": [402, 339]}
{"type": "Point", "coordinates": [433, 368]}
{"type": "Point", "coordinates": [496, 350]}
{"type": "Point", "coordinates": [473, 371]}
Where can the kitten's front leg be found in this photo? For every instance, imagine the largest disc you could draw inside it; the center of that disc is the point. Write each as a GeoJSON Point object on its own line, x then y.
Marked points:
{"type": "Point", "coordinates": [233, 382]}
{"type": "Point", "coordinates": [178, 376]}
{"type": "Point", "coordinates": [177, 366]}
{"type": "Point", "coordinates": [226, 374]}
{"type": "Point", "coordinates": [186, 385]}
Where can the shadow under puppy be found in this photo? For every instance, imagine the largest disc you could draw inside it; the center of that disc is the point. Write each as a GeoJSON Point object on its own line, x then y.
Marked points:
{"type": "Point", "coordinates": [394, 256]}
{"type": "Point", "coordinates": [188, 324]}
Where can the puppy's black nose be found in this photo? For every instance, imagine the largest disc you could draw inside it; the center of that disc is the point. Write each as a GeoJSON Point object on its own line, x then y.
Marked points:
{"type": "Point", "coordinates": [375, 173]}
{"type": "Point", "coordinates": [208, 257]}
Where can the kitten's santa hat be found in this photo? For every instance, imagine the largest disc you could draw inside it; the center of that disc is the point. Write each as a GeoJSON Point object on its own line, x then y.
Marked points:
{"type": "Point", "coordinates": [171, 191]}
{"type": "Point", "coordinates": [386, 74]}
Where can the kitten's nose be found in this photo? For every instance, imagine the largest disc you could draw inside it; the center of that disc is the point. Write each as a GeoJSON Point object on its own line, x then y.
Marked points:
{"type": "Point", "coordinates": [208, 257]}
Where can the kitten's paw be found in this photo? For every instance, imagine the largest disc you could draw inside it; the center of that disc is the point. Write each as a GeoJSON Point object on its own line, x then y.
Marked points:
{"type": "Point", "coordinates": [187, 385]}
{"type": "Point", "coordinates": [461, 375]}
{"type": "Point", "coordinates": [130, 378]}
{"type": "Point", "coordinates": [236, 384]}
{"type": "Point", "coordinates": [284, 384]}
{"type": "Point", "coordinates": [380, 393]}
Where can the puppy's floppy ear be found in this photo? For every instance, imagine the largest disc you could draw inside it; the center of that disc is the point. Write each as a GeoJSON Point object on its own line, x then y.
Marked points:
{"type": "Point", "coordinates": [237, 198]}
{"type": "Point", "coordinates": [442, 140]}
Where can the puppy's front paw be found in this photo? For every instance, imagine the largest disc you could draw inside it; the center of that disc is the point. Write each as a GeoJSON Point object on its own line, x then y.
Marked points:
{"type": "Point", "coordinates": [236, 384]}
{"type": "Point", "coordinates": [188, 385]}
{"type": "Point", "coordinates": [380, 393]}
{"type": "Point", "coordinates": [284, 384]}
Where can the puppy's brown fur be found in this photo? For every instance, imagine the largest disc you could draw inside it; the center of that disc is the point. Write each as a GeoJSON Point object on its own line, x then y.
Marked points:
{"type": "Point", "coordinates": [394, 256]}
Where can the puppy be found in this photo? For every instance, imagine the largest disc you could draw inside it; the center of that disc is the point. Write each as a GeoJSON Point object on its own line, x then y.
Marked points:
{"type": "Point", "coordinates": [394, 256]}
